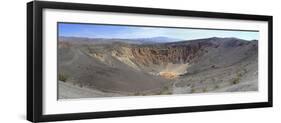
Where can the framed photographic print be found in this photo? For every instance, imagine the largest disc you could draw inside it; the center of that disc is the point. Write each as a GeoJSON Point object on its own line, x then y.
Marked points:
{"type": "Point", "coordinates": [96, 61]}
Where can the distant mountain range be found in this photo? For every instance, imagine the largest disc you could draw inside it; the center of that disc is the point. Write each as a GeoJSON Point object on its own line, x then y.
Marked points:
{"type": "Point", "coordinates": [160, 39]}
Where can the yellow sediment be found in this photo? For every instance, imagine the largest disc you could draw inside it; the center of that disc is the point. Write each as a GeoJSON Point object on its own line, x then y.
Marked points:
{"type": "Point", "coordinates": [168, 75]}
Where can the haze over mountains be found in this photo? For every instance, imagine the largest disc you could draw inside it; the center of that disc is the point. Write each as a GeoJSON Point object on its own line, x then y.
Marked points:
{"type": "Point", "coordinates": [150, 40]}
{"type": "Point", "coordinates": [100, 67]}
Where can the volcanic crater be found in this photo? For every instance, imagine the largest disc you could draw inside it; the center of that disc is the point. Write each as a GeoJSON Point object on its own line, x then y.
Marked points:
{"type": "Point", "coordinates": [122, 68]}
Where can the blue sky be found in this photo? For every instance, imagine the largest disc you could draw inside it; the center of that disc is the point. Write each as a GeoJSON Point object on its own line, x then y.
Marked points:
{"type": "Point", "coordinates": [127, 32]}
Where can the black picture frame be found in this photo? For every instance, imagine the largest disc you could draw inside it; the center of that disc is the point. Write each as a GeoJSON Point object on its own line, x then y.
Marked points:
{"type": "Point", "coordinates": [34, 60]}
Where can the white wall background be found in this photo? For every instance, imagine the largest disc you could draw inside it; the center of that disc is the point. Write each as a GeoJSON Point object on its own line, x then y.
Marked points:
{"type": "Point", "coordinates": [13, 61]}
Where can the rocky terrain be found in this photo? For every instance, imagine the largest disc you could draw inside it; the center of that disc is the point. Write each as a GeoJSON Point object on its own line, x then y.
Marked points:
{"type": "Point", "coordinates": [126, 67]}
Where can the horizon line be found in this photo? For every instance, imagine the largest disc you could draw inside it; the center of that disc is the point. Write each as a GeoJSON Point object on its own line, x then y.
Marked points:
{"type": "Point", "coordinates": [160, 36]}
{"type": "Point", "coordinates": [110, 31]}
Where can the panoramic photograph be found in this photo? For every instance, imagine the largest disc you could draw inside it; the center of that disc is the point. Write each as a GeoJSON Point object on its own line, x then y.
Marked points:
{"type": "Point", "coordinates": [103, 60]}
